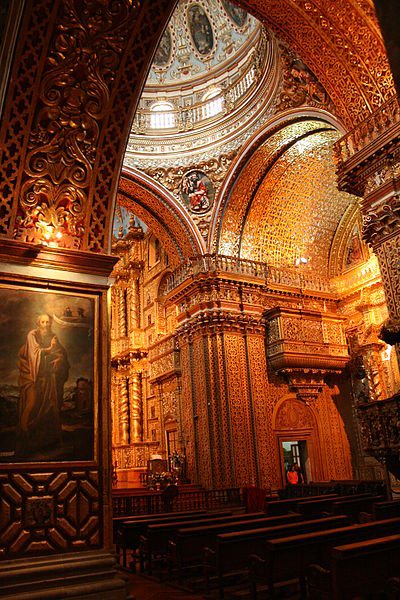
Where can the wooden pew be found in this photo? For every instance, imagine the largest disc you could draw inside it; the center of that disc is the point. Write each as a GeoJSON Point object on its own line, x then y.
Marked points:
{"type": "Point", "coordinates": [288, 557]}
{"type": "Point", "coordinates": [127, 530]}
{"type": "Point", "coordinates": [356, 569]}
{"type": "Point", "coordinates": [153, 517]}
{"type": "Point", "coordinates": [281, 507]}
{"type": "Point", "coordinates": [156, 538]}
{"type": "Point", "coordinates": [231, 550]}
{"type": "Point", "coordinates": [186, 549]}
{"type": "Point", "coordinates": [324, 505]}
{"type": "Point", "coordinates": [386, 510]}
{"type": "Point", "coordinates": [353, 507]}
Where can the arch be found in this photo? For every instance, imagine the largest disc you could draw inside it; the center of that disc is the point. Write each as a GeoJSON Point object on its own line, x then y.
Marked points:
{"type": "Point", "coordinates": [155, 206]}
{"type": "Point", "coordinates": [267, 184]}
{"type": "Point", "coordinates": [63, 146]}
{"type": "Point", "coordinates": [272, 127]}
{"type": "Point", "coordinates": [294, 420]}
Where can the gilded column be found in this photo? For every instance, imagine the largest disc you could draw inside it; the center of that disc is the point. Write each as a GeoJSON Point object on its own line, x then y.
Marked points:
{"type": "Point", "coordinates": [135, 405]}
{"type": "Point", "coordinates": [121, 312]}
{"type": "Point", "coordinates": [124, 410]}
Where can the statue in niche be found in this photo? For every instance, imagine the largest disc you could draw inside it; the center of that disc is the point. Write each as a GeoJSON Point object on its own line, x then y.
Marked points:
{"type": "Point", "coordinates": [200, 30]}
{"type": "Point", "coordinates": [354, 252]}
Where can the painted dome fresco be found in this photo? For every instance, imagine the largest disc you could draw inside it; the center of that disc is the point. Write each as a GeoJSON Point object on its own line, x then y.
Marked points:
{"type": "Point", "coordinates": [201, 37]}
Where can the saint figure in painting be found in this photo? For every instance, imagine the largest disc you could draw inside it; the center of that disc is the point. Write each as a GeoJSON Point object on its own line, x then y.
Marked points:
{"type": "Point", "coordinates": [195, 189]}
{"type": "Point", "coordinates": [43, 371]}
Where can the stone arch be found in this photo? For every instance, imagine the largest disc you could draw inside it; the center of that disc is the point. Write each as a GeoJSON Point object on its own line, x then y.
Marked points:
{"type": "Point", "coordinates": [156, 207]}
{"type": "Point", "coordinates": [62, 148]}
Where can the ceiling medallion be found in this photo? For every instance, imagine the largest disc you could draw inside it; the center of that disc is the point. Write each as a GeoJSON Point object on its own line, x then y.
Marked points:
{"type": "Point", "coordinates": [197, 191]}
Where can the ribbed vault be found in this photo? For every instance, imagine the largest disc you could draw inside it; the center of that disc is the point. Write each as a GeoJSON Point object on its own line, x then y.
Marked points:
{"type": "Point", "coordinates": [284, 203]}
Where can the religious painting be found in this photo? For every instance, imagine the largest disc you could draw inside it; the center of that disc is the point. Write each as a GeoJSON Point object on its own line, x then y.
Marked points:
{"type": "Point", "coordinates": [197, 191]}
{"type": "Point", "coordinates": [200, 30]}
{"type": "Point", "coordinates": [47, 376]}
{"type": "Point", "coordinates": [354, 250]}
{"type": "Point", "coordinates": [238, 15]}
{"type": "Point", "coordinates": [163, 53]}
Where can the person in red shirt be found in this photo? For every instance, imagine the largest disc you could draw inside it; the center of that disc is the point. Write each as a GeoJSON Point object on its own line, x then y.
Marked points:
{"type": "Point", "coordinates": [292, 476]}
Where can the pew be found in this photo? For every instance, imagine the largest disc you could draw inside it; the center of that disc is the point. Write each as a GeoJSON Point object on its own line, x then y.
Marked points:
{"type": "Point", "coordinates": [386, 510]}
{"type": "Point", "coordinates": [230, 551]}
{"type": "Point", "coordinates": [288, 557]}
{"type": "Point", "coordinates": [280, 507]}
{"type": "Point", "coordinates": [324, 505]}
{"type": "Point", "coordinates": [353, 507]}
{"type": "Point", "coordinates": [155, 540]}
{"type": "Point", "coordinates": [130, 529]}
{"type": "Point", "coordinates": [356, 570]}
{"type": "Point", "coordinates": [186, 549]}
{"type": "Point", "coordinates": [153, 517]}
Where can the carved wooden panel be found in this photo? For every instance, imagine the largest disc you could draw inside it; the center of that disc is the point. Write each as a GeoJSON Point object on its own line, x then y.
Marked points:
{"type": "Point", "coordinates": [44, 512]}
{"type": "Point", "coordinates": [239, 407]}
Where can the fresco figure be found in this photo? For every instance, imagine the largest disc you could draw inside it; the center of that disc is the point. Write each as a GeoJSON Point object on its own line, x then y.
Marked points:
{"type": "Point", "coordinates": [196, 191]}
{"type": "Point", "coordinates": [201, 30]}
{"type": "Point", "coordinates": [43, 371]}
{"type": "Point", "coordinates": [163, 54]}
{"type": "Point", "coordinates": [238, 15]}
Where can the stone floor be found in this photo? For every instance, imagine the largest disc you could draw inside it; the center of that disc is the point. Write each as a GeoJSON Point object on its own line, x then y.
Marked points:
{"type": "Point", "coordinates": [142, 588]}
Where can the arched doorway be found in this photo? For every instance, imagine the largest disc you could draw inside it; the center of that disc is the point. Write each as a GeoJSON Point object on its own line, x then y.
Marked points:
{"type": "Point", "coordinates": [297, 439]}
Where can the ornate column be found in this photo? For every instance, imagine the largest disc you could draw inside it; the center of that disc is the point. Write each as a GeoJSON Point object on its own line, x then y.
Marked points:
{"type": "Point", "coordinates": [135, 406]}
{"type": "Point", "coordinates": [124, 419]}
{"type": "Point", "coordinates": [369, 166]}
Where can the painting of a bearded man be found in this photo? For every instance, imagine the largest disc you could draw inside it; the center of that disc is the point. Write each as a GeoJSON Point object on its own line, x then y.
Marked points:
{"type": "Point", "coordinates": [43, 370]}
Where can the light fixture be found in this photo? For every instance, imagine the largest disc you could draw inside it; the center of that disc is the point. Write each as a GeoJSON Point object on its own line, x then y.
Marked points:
{"type": "Point", "coordinates": [301, 260]}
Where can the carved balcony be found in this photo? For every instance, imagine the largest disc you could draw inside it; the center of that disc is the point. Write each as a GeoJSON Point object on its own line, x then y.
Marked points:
{"type": "Point", "coordinates": [304, 346]}
{"type": "Point", "coordinates": [380, 429]}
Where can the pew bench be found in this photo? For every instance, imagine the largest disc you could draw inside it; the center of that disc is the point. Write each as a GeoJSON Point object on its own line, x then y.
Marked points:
{"type": "Point", "coordinates": [129, 530]}
{"type": "Point", "coordinates": [288, 557]}
{"type": "Point", "coordinates": [231, 550]}
{"type": "Point", "coordinates": [154, 543]}
{"type": "Point", "coordinates": [280, 507]}
{"type": "Point", "coordinates": [185, 551]}
{"type": "Point", "coordinates": [356, 570]}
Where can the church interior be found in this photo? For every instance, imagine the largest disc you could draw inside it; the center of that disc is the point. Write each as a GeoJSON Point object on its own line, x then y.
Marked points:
{"type": "Point", "coordinates": [200, 298]}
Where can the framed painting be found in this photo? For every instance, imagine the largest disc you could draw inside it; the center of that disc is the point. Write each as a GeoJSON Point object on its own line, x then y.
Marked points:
{"type": "Point", "coordinates": [48, 387]}
{"type": "Point", "coordinates": [200, 30]}
{"type": "Point", "coordinates": [197, 191]}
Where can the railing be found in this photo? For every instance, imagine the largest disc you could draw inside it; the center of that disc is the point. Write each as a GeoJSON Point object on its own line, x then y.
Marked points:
{"type": "Point", "coordinates": [380, 426]}
{"type": "Point", "coordinates": [297, 278]}
{"type": "Point", "coordinates": [186, 117]}
{"type": "Point", "coordinates": [212, 263]}
{"type": "Point", "coordinates": [136, 339]}
{"type": "Point", "coordinates": [368, 130]}
{"type": "Point", "coordinates": [129, 502]}
{"type": "Point", "coordinates": [342, 488]}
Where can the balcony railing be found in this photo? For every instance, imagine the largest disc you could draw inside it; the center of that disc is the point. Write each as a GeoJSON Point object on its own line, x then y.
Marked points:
{"type": "Point", "coordinates": [385, 117]}
{"type": "Point", "coordinates": [213, 263]}
{"type": "Point", "coordinates": [297, 278]}
{"type": "Point", "coordinates": [184, 118]}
